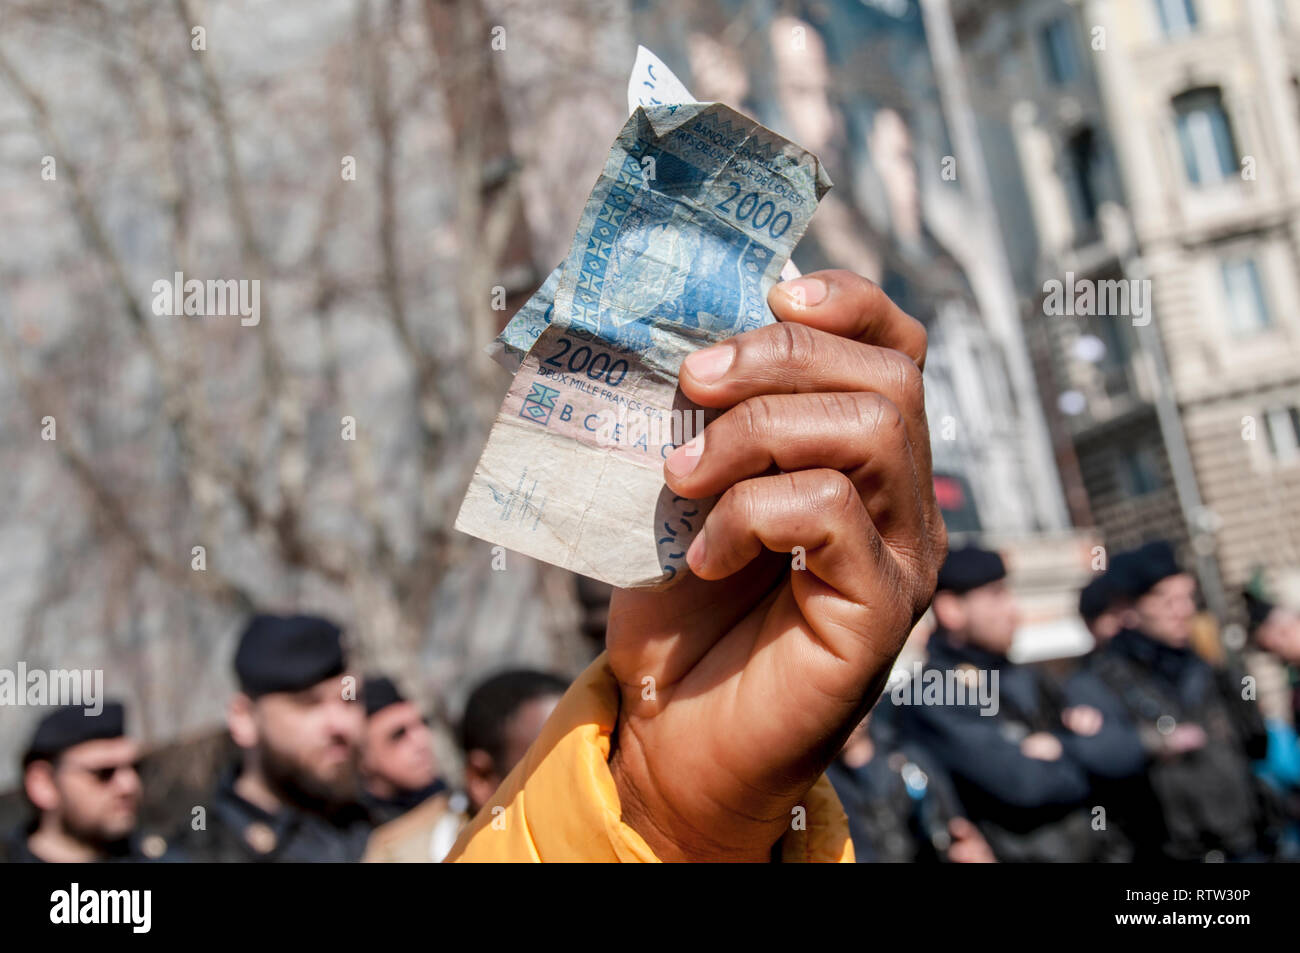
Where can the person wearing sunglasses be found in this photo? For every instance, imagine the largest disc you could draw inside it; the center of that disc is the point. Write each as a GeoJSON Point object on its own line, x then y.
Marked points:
{"type": "Point", "coordinates": [80, 778]}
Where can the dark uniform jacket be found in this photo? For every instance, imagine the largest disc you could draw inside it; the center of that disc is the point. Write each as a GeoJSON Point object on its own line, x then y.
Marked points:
{"type": "Point", "coordinates": [899, 804]}
{"type": "Point", "coordinates": [237, 831]}
{"type": "Point", "coordinates": [383, 810]}
{"type": "Point", "coordinates": [14, 849]}
{"type": "Point", "coordinates": [1028, 809]}
{"type": "Point", "coordinates": [1186, 805]}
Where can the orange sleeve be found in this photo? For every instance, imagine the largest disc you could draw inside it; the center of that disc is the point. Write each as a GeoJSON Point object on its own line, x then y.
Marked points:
{"type": "Point", "coordinates": [560, 803]}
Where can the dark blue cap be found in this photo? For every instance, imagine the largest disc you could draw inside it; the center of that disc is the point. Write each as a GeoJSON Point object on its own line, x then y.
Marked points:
{"type": "Point", "coordinates": [969, 568]}
{"type": "Point", "coordinates": [1096, 597]}
{"type": "Point", "coordinates": [71, 725]}
{"type": "Point", "coordinates": [380, 692]}
{"type": "Point", "coordinates": [288, 654]}
{"type": "Point", "coordinates": [1136, 572]}
{"type": "Point", "coordinates": [1258, 609]}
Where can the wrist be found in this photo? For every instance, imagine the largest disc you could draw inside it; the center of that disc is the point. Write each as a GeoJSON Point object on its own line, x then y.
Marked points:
{"type": "Point", "coordinates": [667, 834]}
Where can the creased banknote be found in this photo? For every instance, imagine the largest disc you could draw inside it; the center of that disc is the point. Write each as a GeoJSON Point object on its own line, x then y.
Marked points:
{"type": "Point", "coordinates": [651, 83]}
{"type": "Point", "coordinates": [687, 229]}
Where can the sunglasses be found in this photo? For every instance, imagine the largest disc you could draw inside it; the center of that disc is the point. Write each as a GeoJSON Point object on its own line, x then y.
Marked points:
{"type": "Point", "coordinates": [106, 774]}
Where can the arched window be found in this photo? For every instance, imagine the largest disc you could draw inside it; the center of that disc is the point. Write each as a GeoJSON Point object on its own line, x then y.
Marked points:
{"type": "Point", "coordinates": [1205, 136]}
{"type": "Point", "coordinates": [1177, 17]}
{"type": "Point", "coordinates": [1085, 173]}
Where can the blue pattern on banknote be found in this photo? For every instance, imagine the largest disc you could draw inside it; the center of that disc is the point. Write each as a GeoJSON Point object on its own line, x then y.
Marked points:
{"type": "Point", "coordinates": [644, 281]}
{"type": "Point", "coordinates": [523, 504]}
{"type": "Point", "coordinates": [539, 403]}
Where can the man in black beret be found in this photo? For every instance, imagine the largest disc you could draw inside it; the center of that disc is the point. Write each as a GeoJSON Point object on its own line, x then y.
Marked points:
{"type": "Point", "coordinates": [503, 716]}
{"type": "Point", "coordinates": [1102, 612]}
{"type": "Point", "coordinates": [298, 724]}
{"type": "Point", "coordinates": [418, 816]}
{"type": "Point", "coordinates": [1197, 797]}
{"type": "Point", "coordinates": [1022, 752]}
{"type": "Point", "coordinates": [399, 769]}
{"type": "Point", "coordinates": [80, 778]}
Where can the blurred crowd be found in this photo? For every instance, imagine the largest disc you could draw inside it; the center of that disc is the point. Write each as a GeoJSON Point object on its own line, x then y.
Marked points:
{"type": "Point", "coordinates": [1156, 746]}
{"type": "Point", "coordinates": [331, 767]}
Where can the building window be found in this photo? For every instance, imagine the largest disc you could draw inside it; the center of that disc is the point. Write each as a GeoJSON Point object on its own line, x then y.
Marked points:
{"type": "Point", "coordinates": [1138, 472]}
{"type": "Point", "coordinates": [1059, 52]}
{"type": "Point", "coordinates": [1114, 362]}
{"type": "Point", "coordinates": [1282, 428]}
{"type": "Point", "coordinates": [1247, 309]}
{"type": "Point", "coordinates": [1177, 17]}
{"type": "Point", "coordinates": [1085, 160]}
{"type": "Point", "coordinates": [1209, 154]}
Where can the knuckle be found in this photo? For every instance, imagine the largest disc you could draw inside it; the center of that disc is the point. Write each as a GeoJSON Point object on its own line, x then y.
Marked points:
{"type": "Point", "coordinates": [884, 418]}
{"type": "Point", "coordinates": [855, 412]}
{"type": "Point", "coordinates": [908, 380]}
{"type": "Point", "coordinates": [753, 420]}
{"type": "Point", "coordinates": [793, 346]}
{"type": "Point", "coordinates": [833, 493]}
{"type": "Point", "coordinates": [922, 335]}
{"type": "Point", "coordinates": [745, 501]}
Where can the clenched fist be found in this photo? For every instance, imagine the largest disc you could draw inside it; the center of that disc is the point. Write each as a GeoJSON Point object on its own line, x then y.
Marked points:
{"type": "Point", "coordinates": [817, 560]}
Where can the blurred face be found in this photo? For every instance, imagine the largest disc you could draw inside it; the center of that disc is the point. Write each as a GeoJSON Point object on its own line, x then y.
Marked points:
{"type": "Point", "coordinates": [307, 743]}
{"type": "Point", "coordinates": [1107, 625]}
{"type": "Point", "coordinates": [399, 751]}
{"type": "Point", "coordinates": [1280, 635]}
{"type": "Point", "coordinates": [524, 728]}
{"type": "Point", "coordinates": [803, 82]}
{"type": "Point", "coordinates": [483, 774]}
{"type": "Point", "coordinates": [1166, 612]}
{"type": "Point", "coordinates": [92, 789]}
{"type": "Point", "coordinates": [986, 617]}
{"type": "Point", "coordinates": [891, 154]}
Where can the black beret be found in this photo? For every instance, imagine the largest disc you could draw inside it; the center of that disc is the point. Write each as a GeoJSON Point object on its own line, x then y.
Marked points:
{"type": "Point", "coordinates": [1136, 572]}
{"type": "Point", "coordinates": [288, 654]}
{"type": "Point", "coordinates": [70, 725]}
{"type": "Point", "coordinates": [1096, 597]}
{"type": "Point", "coordinates": [379, 693]}
{"type": "Point", "coordinates": [1257, 609]}
{"type": "Point", "coordinates": [969, 568]}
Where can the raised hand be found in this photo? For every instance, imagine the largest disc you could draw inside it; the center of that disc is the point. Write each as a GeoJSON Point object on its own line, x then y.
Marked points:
{"type": "Point", "coordinates": [741, 683]}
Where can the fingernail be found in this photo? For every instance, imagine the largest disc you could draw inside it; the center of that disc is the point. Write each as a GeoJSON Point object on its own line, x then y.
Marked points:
{"type": "Point", "coordinates": [805, 292]}
{"type": "Point", "coordinates": [710, 364]}
{"type": "Point", "coordinates": [695, 555]}
{"type": "Point", "coordinates": [684, 459]}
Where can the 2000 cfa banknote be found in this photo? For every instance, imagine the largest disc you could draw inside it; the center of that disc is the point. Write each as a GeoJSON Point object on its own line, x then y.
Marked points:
{"type": "Point", "coordinates": [690, 223]}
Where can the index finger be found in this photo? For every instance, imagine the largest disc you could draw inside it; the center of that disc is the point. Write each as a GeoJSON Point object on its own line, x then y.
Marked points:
{"type": "Point", "coordinates": [851, 306]}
